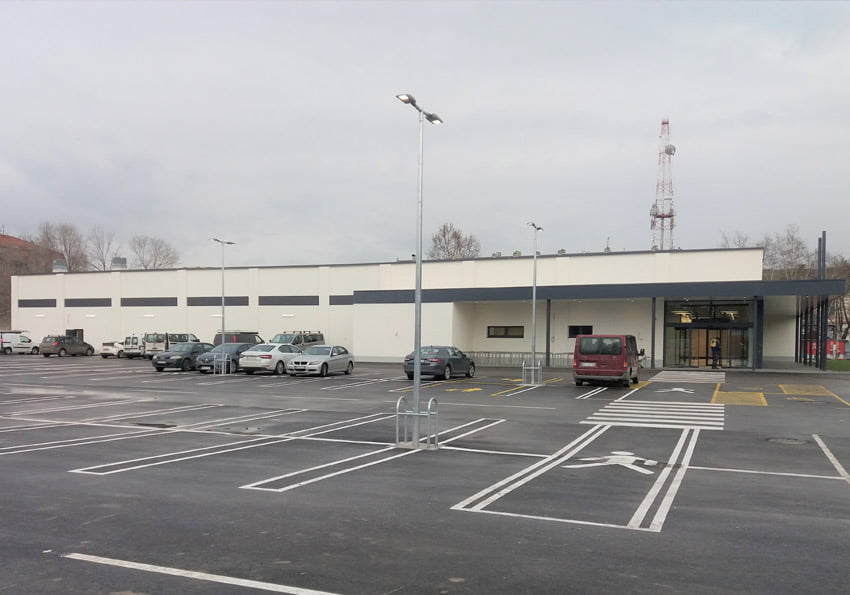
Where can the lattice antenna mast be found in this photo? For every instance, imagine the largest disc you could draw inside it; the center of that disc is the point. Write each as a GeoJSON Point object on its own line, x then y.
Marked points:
{"type": "Point", "coordinates": [662, 214]}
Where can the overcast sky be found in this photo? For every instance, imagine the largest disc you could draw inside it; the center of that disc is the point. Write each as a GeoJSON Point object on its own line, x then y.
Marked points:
{"type": "Point", "coordinates": [275, 124]}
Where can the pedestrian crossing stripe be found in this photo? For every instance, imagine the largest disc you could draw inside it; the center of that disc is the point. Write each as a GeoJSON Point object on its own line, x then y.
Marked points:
{"type": "Point", "coordinates": [689, 376]}
{"type": "Point", "coordinates": [654, 414]}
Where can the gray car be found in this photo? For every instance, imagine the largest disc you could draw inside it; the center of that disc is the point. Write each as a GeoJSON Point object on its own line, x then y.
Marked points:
{"type": "Point", "coordinates": [180, 355]}
{"type": "Point", "coordinates": [321, 360]}
{"type": "Point", "coordinates": [222, 358]}
{"type": "Point", "coordinates": [440, 361]}
{"type": "Point", "coordinates": [62, 346]}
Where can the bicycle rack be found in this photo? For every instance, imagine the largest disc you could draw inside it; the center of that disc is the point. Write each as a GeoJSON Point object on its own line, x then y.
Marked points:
{"type": "Point", "coordinates": [403, 433]}
{"type": "Point", "coordinates": [221, 364]}
{"type": "Point", "coordinates": [532, 375]}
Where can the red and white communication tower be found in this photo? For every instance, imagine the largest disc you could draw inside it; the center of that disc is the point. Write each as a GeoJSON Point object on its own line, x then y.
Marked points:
{"type": "Point", "coordinates": [662, 215]}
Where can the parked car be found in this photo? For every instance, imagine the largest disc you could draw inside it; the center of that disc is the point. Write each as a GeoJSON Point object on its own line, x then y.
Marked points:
{"type": "Point", "coordinates": [268, 357]}
{"type": "Point", "coordinates": [15, 342]}
{"type": "Point", "coordinates": [440, 361]}
{"type": "Point", "coordinates": [180, 355]}
{"type": "Point", "coordinates": [134, 346]}
{"type": "Point", "coordinates": [159, 342]}
{"type": "Point", "coordinates": [611, 358]}
{"type": "Point", "coordinates": [301, 339]}
{"type": "Point", "coordinates": [112, 349]}
{"type": "Point", "coordinates": [321, 360]}
{"type": "Point", "coordinates": [61, 345]}
{"type": "Point", "coordinates": [222, 358]}
{"type": "Point", "coordinates": [252, 337]}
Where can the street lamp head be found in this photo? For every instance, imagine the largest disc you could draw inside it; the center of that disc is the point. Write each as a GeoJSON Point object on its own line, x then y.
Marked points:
{"type": "Point", "coordinates": [405, 98]}
{"type": "Point", "coordinates": [535, 226]}
{"type": "Point", "coordinates": [433, 118]}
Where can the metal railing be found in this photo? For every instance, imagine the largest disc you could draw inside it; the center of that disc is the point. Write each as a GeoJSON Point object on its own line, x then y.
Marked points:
{"type": "Point", "coordinates": [513, 359]}
{"type": "Point", "coordinates": [403, 434]}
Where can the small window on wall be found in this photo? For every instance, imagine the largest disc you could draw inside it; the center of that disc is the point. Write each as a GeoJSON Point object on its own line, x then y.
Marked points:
{"type": "Point", "coordinates": [578, 329]}
{"type": "Point", "coordinates": [505, 332]}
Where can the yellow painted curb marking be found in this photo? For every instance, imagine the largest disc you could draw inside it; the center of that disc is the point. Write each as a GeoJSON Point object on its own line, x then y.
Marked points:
{"type": "Point", "coordinates": [739, 398]}
{"type": "Point", "coordinates": [811, 390]}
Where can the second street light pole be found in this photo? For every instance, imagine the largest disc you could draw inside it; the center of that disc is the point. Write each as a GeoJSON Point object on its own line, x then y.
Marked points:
{"type": "Point", "coordinates": [223, 244]}
{"type": "Point", "coordinates": [417, 316]}
{"type": "Point", "coordinates": [534, 365]}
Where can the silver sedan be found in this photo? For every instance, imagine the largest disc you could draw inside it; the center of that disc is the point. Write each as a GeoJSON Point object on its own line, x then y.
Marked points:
{"type": "Point", "coordinates": [321, 360]}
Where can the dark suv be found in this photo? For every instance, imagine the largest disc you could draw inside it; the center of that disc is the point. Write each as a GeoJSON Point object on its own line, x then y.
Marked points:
{"type": "Point", "coordinates": [61, 345]}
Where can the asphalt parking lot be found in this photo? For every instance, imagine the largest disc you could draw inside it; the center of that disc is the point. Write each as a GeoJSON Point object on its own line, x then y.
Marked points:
{"type": "Point", "coordinates": [121, 480]}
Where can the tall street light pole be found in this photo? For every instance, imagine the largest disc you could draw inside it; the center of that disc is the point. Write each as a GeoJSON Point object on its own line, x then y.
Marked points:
{"type": "Point", "coordinates": [417, 317]}
{"type": "Point", "coordinates": [534, 302]}
{"type": "Point", "coordinates": [223, 244]}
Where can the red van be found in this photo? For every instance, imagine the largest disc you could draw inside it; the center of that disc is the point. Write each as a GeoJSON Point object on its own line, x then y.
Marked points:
{"type": "Point", "coordinates": [613, 358]}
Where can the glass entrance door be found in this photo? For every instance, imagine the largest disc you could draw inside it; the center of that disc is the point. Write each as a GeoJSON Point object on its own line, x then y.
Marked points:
{"type": "Point", "coordinates": [691, 347]}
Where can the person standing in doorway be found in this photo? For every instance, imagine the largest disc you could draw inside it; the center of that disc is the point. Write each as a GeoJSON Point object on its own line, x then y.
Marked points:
{"type": "Point", "coordinates": [715, 352]}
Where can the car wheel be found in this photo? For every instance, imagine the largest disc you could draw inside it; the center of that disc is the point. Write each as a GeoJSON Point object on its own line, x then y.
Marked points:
{"type": "Point", "coordinates": [120, 354]}
{"type": "Point", "coordinates": [471, 371]}
{"type": "Point", "coordinates": [62, 353]}
{"type": "Point", "coordinates": [350, 368]}
{"type": "Point", "coordinates": [159, 368]}
{"type": "Point", "coordinates": [103, 355]}
{"type": "Point", "coordinates": [232, 367]}
{"type": "Point", "coordinates": [410, 375]}
{"type": "Point", "coordinates": [187, 365]}
{"type": "Point", "coordinates": [627, 381]}
{"type": "Point", "coordinates": [280, 369]}
{"type": "Point", "coordinates": [7, 351]}
{"type": "Point", "coordinates": [34, 351]}
{"type": "Point", "coordinates": [579, 382]}
{"type": "Point", "coordinates": [636, 377]}
{"type": "Point", "coordinates": [447, 373]}
{"type": "Point", "coordinates": [46, 354]}
{"type": "Point", "coordinates": [249, 372]}
{"type": "Point", "coordinates": [89, 352]}
{"type": "Point", "coordinates": [324, 370]}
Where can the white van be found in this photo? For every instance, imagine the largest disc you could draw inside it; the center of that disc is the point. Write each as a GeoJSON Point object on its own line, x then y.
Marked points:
{"type": "Point", "coordinates": [15, 342]}
{"type": "Point", "coordinates": [134, 346]}
{"type": "Point", "coordinates": [159, 342]}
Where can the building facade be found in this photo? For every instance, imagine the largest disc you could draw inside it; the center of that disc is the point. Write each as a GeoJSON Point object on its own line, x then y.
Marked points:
{"type": "Point", "coordinates": [674, 302]}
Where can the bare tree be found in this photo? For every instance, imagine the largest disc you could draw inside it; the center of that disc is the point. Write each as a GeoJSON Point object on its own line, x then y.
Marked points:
{"type": "Point", "coordinates": [65, 239]}
{"type": "Point", "coordinates": [786, 256]}
{"type": "Point", "coordinates": [102, 248]}
{"type": "Point", "coordinates": [738, 239]}
{"type": "Point", "coordinates": [153, 253]}
{"type": "Point", "coordinates": [450, 243]}
{"type": "Point", "coordinates": [838, 267]}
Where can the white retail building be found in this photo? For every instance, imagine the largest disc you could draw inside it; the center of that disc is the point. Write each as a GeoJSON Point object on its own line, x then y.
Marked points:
{"type": "Point", "coordinates": [674, 302]}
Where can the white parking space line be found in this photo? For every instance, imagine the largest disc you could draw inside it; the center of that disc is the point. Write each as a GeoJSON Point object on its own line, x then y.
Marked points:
{"type": "Point", "coordinates": [690, 437]}
{"type": "Point", "coordinates": [594, 392]}
{"type": "Point", "coordinates": [501, 488]}
{"type": "Point", "coordinates": [832, 459]}
{"type": "Point", "coordinates": [194, 575]}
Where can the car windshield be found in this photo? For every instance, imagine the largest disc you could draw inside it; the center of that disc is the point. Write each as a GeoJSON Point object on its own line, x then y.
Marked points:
{"type": "Point", "coordinates": [432, 351]}
{"type": "Point", "coordinates": [50, 339]}
{"type": "Point", "coordinates": [283, 338]}
{"type": "Point", "coordinates": [318, 350]}
{"type": "Point", "coordinates": [181, 347]}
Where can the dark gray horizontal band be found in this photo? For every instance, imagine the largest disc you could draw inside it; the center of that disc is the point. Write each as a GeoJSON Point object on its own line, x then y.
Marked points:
{"type": "Point", "coordinates": [88, 302]}
{"type": "Point", "coordinates": [289, 300]}
{"type": "Point", "coordinates": [230, 300]}
{"type": "Point", "coordinates": [41, 303]}
{"type": "Point", "coordinates": [720, 289]}
{"type": "Point", "coordinates": [149, 301]}
{"type": "Point", "coordinates": [341, 300]}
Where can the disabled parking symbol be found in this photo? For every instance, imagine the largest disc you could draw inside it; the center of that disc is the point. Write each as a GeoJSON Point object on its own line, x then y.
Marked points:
{"type": "Point", "coordinates": [617, 457]}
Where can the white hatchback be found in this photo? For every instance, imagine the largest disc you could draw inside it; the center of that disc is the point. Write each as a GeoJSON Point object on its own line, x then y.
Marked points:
{"type": "Point", "coordinates": [267, 357]}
